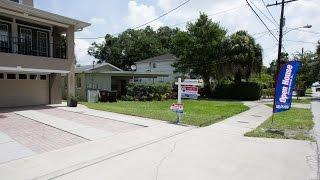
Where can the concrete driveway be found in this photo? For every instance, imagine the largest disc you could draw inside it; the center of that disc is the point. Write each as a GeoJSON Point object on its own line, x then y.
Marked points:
{"type": "Point", "coordinates": [165, 151]}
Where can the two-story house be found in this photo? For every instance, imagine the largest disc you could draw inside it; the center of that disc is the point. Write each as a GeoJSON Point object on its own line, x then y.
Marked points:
{"type": "Point", "coordinates": [36, 48]}
{"type": "Point", "coordinates": [158, 64]}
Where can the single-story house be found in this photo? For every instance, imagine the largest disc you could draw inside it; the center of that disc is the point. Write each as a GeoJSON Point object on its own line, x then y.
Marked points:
{"type": "Point", "coordinates": [105, 76]}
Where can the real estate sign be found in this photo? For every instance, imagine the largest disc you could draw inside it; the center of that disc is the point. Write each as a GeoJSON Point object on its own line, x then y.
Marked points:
{"type": "Point", "coordinates": [177, 108]}
{"type": "Point", "coordinates": [189, 92]}
{"type": "Point", "coordinates": [285, 85]}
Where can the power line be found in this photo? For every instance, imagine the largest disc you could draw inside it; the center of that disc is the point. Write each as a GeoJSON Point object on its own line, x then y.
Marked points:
{"type": "Point", "coordinates": [263, 13]}
{"type": "Point", "coordinates": [312, 32]}
{"type": "Point", "coordinates": [298, 41]}
{"type": "Point", "coordinates": [151, 21]}
{"type": "Point", "coordinates": [214, 14]}
{"type": "Point", "coordinates": [174, 25]}
{"type": "Point", "coordinates": [162, 15]}
{"type": "Point", "coordinates": [261, 20]}
{"type": "Point", "coordinates": [264, 3]}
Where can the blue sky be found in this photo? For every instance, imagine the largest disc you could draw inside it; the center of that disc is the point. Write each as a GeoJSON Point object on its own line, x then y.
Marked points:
{"type": "Point", "coordinates": [113, 16]}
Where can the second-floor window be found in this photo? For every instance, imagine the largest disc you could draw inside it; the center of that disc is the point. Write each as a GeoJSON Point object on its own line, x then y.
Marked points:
{"type": "Point", "coordinates": [4, 40]}
{"type": "Point", "coordinates": [33, 42]}
{"type": "Point", "coordinates": [17, 1]}
{"type": "Point", "coordinates": [25, 41]}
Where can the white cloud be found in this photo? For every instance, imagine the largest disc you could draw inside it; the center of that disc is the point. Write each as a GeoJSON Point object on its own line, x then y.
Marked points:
{"type": "Point", "coordinates": [140, 13]}
{"type": "Point", "coordinates": [81, 51]}
{"type": "Point", "coordinates": [97, 21]}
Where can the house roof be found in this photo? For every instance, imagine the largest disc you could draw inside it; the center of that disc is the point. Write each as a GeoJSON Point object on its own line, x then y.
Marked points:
{"type": "Point", "coordinates": [117, 72]}
{"type": "Point", "coordinates": [165, 57]}
{"type": "Point", "coordinates": [135, 74]}
{"type": "Point", "coordinates": [21, 10]}
{"type": "Point", "coordinates": [89, 68]}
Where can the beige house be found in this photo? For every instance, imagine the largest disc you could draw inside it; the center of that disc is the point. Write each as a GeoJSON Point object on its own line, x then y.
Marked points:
{"type": "Point", "coordinates": [36, 48]}
{"type": "Point", "coordinates": [105, 76]}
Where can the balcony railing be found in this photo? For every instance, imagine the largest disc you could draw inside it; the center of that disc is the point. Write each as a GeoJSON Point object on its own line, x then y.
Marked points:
{"type": "Point", "coordinates": [28, 46]}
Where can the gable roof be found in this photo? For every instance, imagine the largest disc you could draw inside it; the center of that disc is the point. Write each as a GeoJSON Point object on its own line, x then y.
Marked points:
{"type": "Point", "coordinates": [165, 57]}
{"type": "Point", "coordinates": [88, 68]}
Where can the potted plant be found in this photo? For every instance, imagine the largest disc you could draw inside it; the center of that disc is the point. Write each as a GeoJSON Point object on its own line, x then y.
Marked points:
{"type": "Point", "coordinates": [72, 101]}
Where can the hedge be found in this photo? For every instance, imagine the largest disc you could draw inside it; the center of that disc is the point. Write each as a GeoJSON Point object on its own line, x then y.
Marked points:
{"type": "Point", "coordinates": [268, 93]}
{"type": "Point", "coordinates": [142, 92]}
{"type": "Point", "coordinates": [243, 91]}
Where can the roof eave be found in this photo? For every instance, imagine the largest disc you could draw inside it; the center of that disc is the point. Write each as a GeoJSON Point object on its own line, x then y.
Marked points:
{"type": "Point", "coordinates": [26, 11]}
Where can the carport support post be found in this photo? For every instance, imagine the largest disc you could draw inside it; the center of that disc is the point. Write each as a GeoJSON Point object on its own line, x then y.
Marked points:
{"type": "Point", "coordinates": [71, 59]}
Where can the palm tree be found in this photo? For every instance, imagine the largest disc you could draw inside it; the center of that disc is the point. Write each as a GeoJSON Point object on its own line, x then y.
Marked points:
{"type": "Point", "coordinates": [243, 56]}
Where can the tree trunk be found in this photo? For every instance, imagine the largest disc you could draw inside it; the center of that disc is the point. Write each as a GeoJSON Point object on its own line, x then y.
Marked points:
{"type": "Point", "coordinates": [207, 86]}
{"type": "Point", "coordinates": [237, 78]}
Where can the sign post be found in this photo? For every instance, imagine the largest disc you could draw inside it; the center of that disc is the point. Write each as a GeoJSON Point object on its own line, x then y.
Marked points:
{"type": "Point", "coordinates": [188, 90]}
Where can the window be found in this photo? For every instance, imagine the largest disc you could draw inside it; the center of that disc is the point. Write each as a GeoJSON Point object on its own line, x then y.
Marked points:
{"type": "Point", "coordinates": [1, 76]}
{"type": "Point", "coordinates": [43, 77]}
{"type": "Point", "coordinates": [43, 44]}
{"type": "Point", "coordinates": [17, 1]}
{"type": "Point", "coordinates": [154, 65]}
{"type": "Point", "coordinates": [11, 76]}
{"type": "Point", "coordinates": [33, 77]}
{"type": "Point", "coordinates": [4, 37]}
{"type": "Point", "coordinates": [22, 76]}
{"type": "Point", "coordinates": [79, 82]}
{"type": "Point", "coordinates": [25, 41]}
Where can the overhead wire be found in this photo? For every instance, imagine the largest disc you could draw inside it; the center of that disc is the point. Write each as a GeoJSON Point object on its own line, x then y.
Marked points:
{"type": "Point", "coordinates": [151, 21]}
{"type": "Point", "coordinates": [262, 20]}
{"type": "Point", "coordinates": [263, 13]}
{"type": "Point", "coordinates": [264, 3]}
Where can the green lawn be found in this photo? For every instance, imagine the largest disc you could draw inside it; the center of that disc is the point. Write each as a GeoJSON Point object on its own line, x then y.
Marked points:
{"type": "Point", "coordinates": [197, 112]}
{"type": "Point", "coordinates": [293, 124]}
{"type": "Point", "coordinates": [300, 100]}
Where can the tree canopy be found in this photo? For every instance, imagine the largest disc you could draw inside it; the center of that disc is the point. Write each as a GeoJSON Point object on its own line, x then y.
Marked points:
{"type": "Point", "coordinates": [204, 50]}
{"type": "Point", "coordinates": [133, 45]}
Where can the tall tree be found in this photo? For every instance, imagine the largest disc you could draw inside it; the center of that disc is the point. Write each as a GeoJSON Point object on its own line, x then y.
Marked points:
{"type": "Point", "coordinates": [198, 48]}
{"type": "Point", "coordinates": [242, 58]}
{"type": "Point", "coordinates": [131, 46]}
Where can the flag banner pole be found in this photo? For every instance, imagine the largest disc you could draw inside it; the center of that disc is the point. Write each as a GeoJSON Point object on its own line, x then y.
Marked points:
{"type": "Point", "coordinates": [284, 87]}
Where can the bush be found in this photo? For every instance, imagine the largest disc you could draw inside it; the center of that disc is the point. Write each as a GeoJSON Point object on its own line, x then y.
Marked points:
{"type": "Point", "coordinates": [268, 93]}
{"type": "Point", "coordinates": [243, 91]}
{"type": "Point", "coordinates": [143, 92]}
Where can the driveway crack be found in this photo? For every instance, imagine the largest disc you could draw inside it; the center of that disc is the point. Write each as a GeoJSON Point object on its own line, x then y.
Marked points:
{"type": "Point", "coordinates": [166, 157]}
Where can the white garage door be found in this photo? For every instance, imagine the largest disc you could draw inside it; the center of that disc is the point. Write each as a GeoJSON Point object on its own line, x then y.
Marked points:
{"type": "Point", "coordinates": [24, 92]}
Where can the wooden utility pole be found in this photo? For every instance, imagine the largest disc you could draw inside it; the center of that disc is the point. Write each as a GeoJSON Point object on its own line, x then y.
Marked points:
{"type": "Point", "coordinates": [282, 24]}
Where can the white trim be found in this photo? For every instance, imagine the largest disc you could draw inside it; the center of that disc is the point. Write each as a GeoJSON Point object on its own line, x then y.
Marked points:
{"type": "Point", "coordinates": [31, 70]}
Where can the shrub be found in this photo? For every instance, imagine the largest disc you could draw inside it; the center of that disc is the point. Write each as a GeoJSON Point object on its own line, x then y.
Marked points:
{"type": "Point", "coordinates": [243, 91]}
{"type": "Point", "coordinates": [143, 92]}
{"type": "Point", "coordinates": [268, 93]}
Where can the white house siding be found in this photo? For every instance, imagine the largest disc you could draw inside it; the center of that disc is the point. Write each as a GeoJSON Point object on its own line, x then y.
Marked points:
{"type": "Point", "coordinates": [98, 81]}
{"type": "Point", "coordinates": [161, 67]}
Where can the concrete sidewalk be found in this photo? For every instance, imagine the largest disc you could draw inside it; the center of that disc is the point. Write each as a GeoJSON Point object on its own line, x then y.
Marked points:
{"type": "Point", "coordinates": [216, 152]}
{"type": "Point", "coordinates": [316, 118]}
{"type": "Point", "coordinates": [165, 151]}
